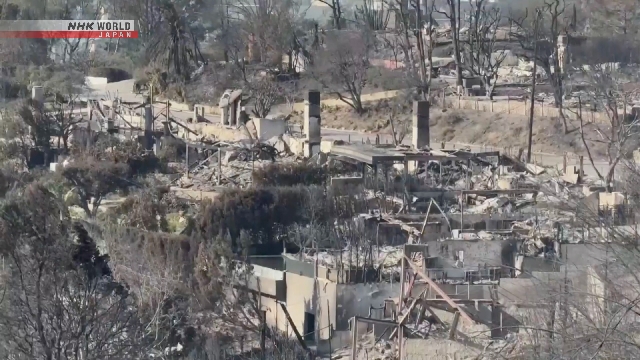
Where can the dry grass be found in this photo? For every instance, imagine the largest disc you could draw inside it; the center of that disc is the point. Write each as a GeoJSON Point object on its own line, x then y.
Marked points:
{"type": "Point", "coordinates": [464, 126]}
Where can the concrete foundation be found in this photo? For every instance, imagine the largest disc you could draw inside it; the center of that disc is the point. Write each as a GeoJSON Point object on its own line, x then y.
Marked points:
{"type": "Point", "coordinates": [296, 146]}
{"type": "Point", "coordinates": [269, 128]}
{"type": "Point", "coordinates": [224, 114]}
{"type": "Point", "coordinates": [198, 112]}
{"type": "Point", "coordinates": [325, 146]}
{"type": "Point", "coordinates": [229, 115]}
{"type": "Point", "coordinates": [310, 149]}
{"type": "Point", "coordinates": [233, 113]}
{"type": "Point", "coordinates": [312, 130]}
{"type": "Point", "coordinates": [37, 94]}
{"type": "Point", "coordinates": [230, 107]}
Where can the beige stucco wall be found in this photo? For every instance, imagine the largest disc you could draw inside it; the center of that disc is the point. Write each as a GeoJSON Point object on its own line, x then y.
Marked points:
{"type": "Point", "coordinates": [300, 300]}
{"type": "Point", "coordinates": [275, 316]}
{"type": "Point", "coordinates": [265, 285]}
{"type": "Point", "coordinates": [271, 283]}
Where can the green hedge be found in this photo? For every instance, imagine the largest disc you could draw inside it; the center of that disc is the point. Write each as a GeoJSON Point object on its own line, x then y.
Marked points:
{"type": "Point", "coordinates": [12, 90]}
{"type": "Point", "coordinates": [289, 174]}
{"type": "Point", "coordinates": [259, 212]}
{"type": "Point", "coordinates": [112, 74]}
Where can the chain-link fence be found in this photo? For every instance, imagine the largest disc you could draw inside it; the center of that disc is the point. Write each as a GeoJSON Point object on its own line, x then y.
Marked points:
{"type": "Point", "coordinates": [518, 107]}
{"type": "Point", "coordinates": [539, 158]}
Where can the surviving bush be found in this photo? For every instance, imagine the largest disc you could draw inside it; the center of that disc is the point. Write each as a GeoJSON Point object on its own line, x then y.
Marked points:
{"type": "Point", "coordinates": [172, 149]}
{"type": "Point", "coordinates": [11, 89]}
{"type": "Point", "coordinates": [260, 212]}
{"type": "Point", "coordinates": [289, 174]}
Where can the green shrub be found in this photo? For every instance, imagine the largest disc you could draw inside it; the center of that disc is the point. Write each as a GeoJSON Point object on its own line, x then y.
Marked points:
{"type": "Point", "coordinates": [289, 174]}
{"type": "Point", "coordinates": [176, 92]}
{"type": "Point", "coordinates": [112, 74]}
{"type": "Point", "coordinates": [130, 152]}
{"type": "Point", "coordinates": [140, 74]}
{"type": "Point", "coordinates": [141, 165]}
{"type": "Point", "coordinates": [10, 89]}
{"type": "Point", "coordinates": [172, 149]}
{"type": "Point", "coordinates": [259, 212]}
{"type": "Point", "coordinates": [382, 79]}
{"type": "Point", "coordinates": [163, 249]}
{"type": "Point", "coordinates": [262, 213]}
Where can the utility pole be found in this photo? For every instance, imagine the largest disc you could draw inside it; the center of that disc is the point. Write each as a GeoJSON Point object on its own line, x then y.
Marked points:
{"type": "Point", "coordinates": [187, 157]}
{"type": "Point", "coordinates": [316, 300]}
{"type": "Point", "coordinates": [263, 334]}
{"type": "Point", "coordinates": [150, 104]}
{"type": "Point", "coordinates": [533, 82]}
{"type": "Point", "coordinates": [168, 105]}
{"type": "Point", "coordinates": [253, 166]}
{"type": "Point", "coordinates": [220, 166]}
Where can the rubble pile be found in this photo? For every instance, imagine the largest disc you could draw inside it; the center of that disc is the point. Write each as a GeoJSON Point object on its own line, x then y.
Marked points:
{"type": "Point", "coordinates": [386, 258]}
{"type": "Point", "coordinates": [239, 160]}
{"type": "Point", "coordinates": [235, 169]}
{"type": "Point", "coordinates": [446, 174]}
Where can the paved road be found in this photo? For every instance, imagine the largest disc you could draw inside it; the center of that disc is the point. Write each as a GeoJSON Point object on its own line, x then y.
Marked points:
{"type": "Point", "coordinates": [123, 89]}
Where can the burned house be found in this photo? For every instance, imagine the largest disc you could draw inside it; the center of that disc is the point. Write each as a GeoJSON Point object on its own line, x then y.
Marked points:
{"type": "Point", "coordinates": [315, 301]}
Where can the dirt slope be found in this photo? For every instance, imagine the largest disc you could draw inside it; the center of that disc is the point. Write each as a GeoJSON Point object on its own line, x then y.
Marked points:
{"type": "Point", "coordinates": [466, 126]}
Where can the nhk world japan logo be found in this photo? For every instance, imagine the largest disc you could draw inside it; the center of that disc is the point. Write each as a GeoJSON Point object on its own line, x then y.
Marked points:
{"type": "Point", "coordinates": [68, 29]}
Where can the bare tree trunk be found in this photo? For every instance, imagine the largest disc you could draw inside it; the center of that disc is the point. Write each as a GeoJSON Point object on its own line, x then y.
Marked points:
{"type": "Point", "coordinates": [551, 324]}
{"type": "Point", "coordinates": [420, 42]}
{"type": "Point", "coordinates": [559, 102]}
{"type": "Point", "coordinates": [454, 19]}
{"type": "Point", "coordinates": [533, 84]}
{"type": "Point", "coordinates": [431, 44]}
{"type": "Point", "coordinates": [488, 87]}
{"type": "Point", "coordinates": [337, 14]}
{"type": "Point", "coordinates": [407, 49]}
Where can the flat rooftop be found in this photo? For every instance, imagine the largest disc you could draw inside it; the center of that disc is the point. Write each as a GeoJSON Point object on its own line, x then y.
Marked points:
{"type": "Point", "coordinates": [371, 154]}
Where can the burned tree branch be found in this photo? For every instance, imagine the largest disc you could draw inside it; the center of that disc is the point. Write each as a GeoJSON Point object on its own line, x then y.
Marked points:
{"type": "Point", "coordinates": [552, 23]}
{"type": "Point", "coordinates": [611, 91]}
{"type": "Point", "coordinates": [482, 54]}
